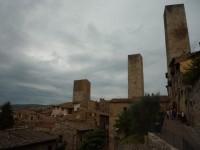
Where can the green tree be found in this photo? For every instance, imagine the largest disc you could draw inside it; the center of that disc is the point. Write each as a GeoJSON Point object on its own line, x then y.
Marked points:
{"type": "Point", "coordinates": [139, 118]}
{"type": "Point", "coordinates": [61, 146]}
{"type": "Point", "coordinates": [123, 123]}
{"type": "Point", "coordinates": [6, 116]}
{"type": "Point", "coordinates": [144, 114]}
{"type": "Point", "coordinates": [192, 74]}
{"type": "Point", "coordinates": [93, 140]}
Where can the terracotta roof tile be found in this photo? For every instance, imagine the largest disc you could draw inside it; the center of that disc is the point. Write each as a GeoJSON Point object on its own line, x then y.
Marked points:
{"type": "Point", "coordinates": [20, 137]}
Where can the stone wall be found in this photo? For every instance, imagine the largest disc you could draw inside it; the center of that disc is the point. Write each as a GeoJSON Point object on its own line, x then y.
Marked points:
{"type": "Point", "coordinates": [178, 88]}
{"type": "Point", "coordinates": [116, 106]}
{"type": "Point", "coordinates": [135, 76]}
{"type": "Point", "coordinates": [152, 142]}
{"type": "Point", "coordinates": [59, 111]}
{"type": "Point", "coordinates": [156, 143]}
{"type": "Point", "coordinates": [194, 108]}
{"type": "Point", "coordinates": [103, 105]}
{"type": "Point", "coordinates": [92, 105]}
{"type": "Point", "coordinates": [77, 116]}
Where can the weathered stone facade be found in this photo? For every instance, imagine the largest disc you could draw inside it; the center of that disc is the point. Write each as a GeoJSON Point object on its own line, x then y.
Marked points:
{"type": "Point", "coordinates": [81, 91]}
{"type": "Point", "coordinates": [176, 31]}
{"type": "Point", "coordinates": [91, 105]}
{"type": "Point", "coordinates": [64, 109]}
{"type": "Point", "coordinates": [194, 108]}
{"type": "Point", "coordinates": [177, 46]}
{"type": "Point", "coordinates": [116, 106]}
{"type": "Point", "coordinates": [103, 105]}
{"type": "Point", "coordinates": [73, 126]}
{"type": "Point", "coordinates": [179, 90]}
{"type": "Point", "coordinates": [37, 119]}
{"type": "Point", "coordinates": [135, 76]}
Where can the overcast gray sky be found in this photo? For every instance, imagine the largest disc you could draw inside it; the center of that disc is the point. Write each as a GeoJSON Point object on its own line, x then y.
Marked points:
{"type": "Point", "coordinates": [47, 44]}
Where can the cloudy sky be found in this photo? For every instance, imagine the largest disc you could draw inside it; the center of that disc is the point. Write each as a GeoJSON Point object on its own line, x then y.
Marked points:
{"type": "Point", "coordinates": [47, 44]}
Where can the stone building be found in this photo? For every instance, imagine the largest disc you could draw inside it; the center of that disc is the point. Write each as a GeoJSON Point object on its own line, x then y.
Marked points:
{"type": "Point", "coordinates": [116, 106]}
{"type": "Point", "coordinates": [64, 109]}
{"type": "Point", "coordinates": [135, 91]}
{"type": "Point", "coordinates": [81, 92]}
{"type": "Point", "coordinates": [35, 119]}
{"type": "Point", "coordinates": [194, 107]}
{"type": "Point", "coordinates": [81, 115]}
{"type": "Point", "coordinates": [176, 36]}
{"type": "Point", "coordinates": [179, 57]}
{"type": "Point", "coordinates": [26, 139]}
{"type": "Point", "coordinates": [135, 76]}
{"type": "Point", "coordinates": [179, 89]}
{"type": "Point", "coordinates": [103, 105]}
{"type": "Point", "coordinates": [176, 31]}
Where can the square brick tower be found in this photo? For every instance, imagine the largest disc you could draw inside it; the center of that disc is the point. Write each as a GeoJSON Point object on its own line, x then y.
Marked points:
{"type": "Point", "coordinates": [81, 91]}
{"type": "Point", "coordinates": [177, 41]}
{"type": "Point", "coordinates": [135, 76]}
{"type": "Point", "coordinates": [176, 31]}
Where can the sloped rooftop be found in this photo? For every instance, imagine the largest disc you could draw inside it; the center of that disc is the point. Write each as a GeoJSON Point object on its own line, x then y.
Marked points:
{"type": "Point", "coordinates": [20, 137]}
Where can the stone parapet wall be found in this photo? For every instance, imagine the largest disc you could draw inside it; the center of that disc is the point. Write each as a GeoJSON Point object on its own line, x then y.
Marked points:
{"type": "Point", "coordinates": [194, 108]}
{"type": "Point", "coordinates": [196, 116]}
{"type": "Point", "coordinates": [152, 142]}
{"type": "Point", "coordinates": [156, 143]}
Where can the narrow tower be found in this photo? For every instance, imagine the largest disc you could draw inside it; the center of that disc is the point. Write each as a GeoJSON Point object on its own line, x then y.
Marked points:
{"type": "Point", "coordinates": [176, 38]}
{"type": "Point", "coordinates": [176, 31]}
{"type": "Point", "coordinates": [135, 76]}
{"type": "Point", "coordinates": [81, 92]}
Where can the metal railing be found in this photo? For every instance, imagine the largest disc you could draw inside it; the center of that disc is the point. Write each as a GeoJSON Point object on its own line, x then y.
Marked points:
{"type": "Point", "coordinates": [175, 140]}
{"type": "Point", "coordinates": [157, 127]}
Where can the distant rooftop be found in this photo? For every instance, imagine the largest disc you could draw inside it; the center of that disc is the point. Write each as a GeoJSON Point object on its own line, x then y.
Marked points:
{"type": "Point", "coordinates": [124, 100]}
{"type": "Point", "coordinates": [66, 105]}
{"type": "Point", "coordinates": [131, 100]}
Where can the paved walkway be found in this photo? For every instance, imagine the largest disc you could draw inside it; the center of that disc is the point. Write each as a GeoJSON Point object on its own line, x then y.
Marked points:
{"type": "Point", "coordinates": [179, 135]}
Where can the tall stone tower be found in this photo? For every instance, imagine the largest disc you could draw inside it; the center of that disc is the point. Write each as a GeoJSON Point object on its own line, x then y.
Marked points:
{"type": "Point", "coordinates": [176, 31]}
{"type": "Point", "coordinates": [135, 76]}
{"type": "Point", "coordinates": [176, 38]}
{"type": "Point", "coordinates": [81, 91]}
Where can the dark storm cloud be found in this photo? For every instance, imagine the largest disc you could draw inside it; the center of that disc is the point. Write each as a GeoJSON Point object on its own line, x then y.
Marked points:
{"type": "Point", "coordinates": [46, 45]}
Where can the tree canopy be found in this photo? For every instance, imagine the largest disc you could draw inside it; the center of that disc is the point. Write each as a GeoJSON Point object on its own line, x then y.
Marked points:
{"type": "Point", "coordinates": [93, 140]}
{"type": "Point", "coordinates": [6, 116]}
{"type": "Point", "coordinates": [137, 120]}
